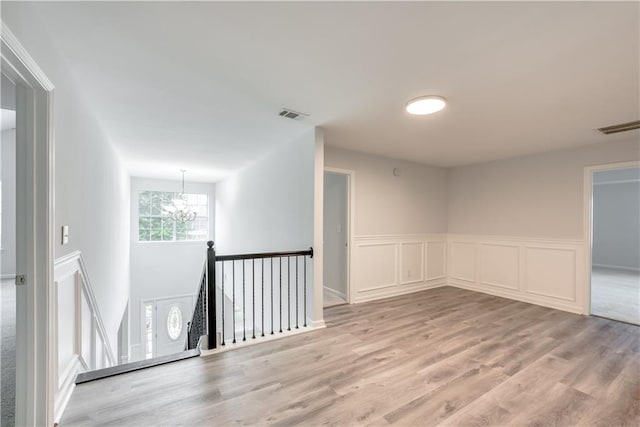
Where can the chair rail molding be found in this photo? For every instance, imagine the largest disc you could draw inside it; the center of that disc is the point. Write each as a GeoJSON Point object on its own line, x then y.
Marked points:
{"type": "Point", "coordinates": [80, 340]}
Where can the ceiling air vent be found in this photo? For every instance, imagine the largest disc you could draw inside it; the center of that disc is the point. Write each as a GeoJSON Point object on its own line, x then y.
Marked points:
{"type": "Point", "coordinates": [623, 127]}
{"type": "Point", "coordinates": [290, 114]}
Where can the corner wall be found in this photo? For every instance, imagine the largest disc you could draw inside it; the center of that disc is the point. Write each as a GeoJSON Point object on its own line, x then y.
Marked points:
{"type": "Point", "coordinates": [269, 206]}
{"type": "Point", "coordinates": [91, 183]}
{"type": "Point", "coordinates": [516, 226]}
{"type": "Point", "coordinates": [399, 241]}
{"type": "Point", "coordinates": [163, 269]}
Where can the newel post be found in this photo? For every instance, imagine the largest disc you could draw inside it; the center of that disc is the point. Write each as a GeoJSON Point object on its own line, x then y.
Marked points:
{"type": "Point", "coordinates": [212, 337]}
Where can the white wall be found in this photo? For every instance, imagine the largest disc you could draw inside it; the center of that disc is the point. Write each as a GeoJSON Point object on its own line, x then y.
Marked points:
{"type": "Point", "coordinates": [8, 164]}
{"type": "Point", "coordinates": [616, 225]}
{"type": "Point", "coordinates": [336, 227]}
{"type": "Point", "coordinates": [268, 205]}
{"type": "Point", "coordinates": [91, 183]}
{"type": "Point", "coordinates": [533, 196]}
{"type": "Point", "coordinates": [400, 224]}
{"type": "Point", "coordinates": [516, 225]}
{"type": "Point", "coordinates": [163, 269]}
{"type": "Point", "coordinates": [414, 202]}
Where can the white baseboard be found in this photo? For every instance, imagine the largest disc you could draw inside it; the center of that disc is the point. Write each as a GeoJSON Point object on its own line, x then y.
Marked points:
{"type": "Point", "coordinates": [317, 324]}
{"type": "Point", "coordinates": [364, 296]}
{"type": "Point", "coordinates": [250, 342]}
{"type": "Point", "coordinates": [616, 267]}
{"type": "Point", "coordinates": [336, 292]}
{"type": "Point", "coordinates": [517, 297]}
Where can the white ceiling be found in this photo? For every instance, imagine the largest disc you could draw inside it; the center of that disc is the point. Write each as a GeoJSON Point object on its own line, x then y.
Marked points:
{"type": "Point", "coordinates": [199, 85]}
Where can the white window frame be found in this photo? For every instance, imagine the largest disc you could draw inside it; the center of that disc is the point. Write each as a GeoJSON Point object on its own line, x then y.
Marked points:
{"type": "Point", "coordinates": [207, 219]}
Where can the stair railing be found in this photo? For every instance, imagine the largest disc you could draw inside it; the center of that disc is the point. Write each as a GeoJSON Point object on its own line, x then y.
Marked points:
{"type": "Point", "coordinates": [250, 295]}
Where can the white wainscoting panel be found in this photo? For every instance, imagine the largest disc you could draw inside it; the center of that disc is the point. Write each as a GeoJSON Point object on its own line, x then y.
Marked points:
{"type": "Point", "coordinates": [377, 265]}
{"type": "Point", "coordinates": [81, 340]}
{"type": "Point", "coordinates": [389, 265]}
{"type": "Point", "coordinates": [551, 272]}
{"type": "Point", "coordinates": [411, 262]}
{"type": "Point", "coordinates": [436, 259]}
{"type": "Point", "coordinates": [547, 272]}
{"type": "Point", "coordinates": [66, 293]}
{"type": "Point", "coordinates": [463, 261]}
{"type": "Point", "coordinates": [499, 265]}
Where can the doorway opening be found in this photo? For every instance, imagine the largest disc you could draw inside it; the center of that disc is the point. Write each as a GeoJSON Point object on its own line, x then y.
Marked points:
{"type": "Point", "coordinates": [337, 236]}
{"type": "Point", "coordinates": [27, 383]}
{"type": "Point", "coordinates": [8, 270]}
{"type": "Point", "coordinates": [615, 243]}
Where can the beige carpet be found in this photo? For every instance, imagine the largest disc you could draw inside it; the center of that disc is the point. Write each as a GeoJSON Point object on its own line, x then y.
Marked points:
{"type": "Point", "coordinates": [615, 294]}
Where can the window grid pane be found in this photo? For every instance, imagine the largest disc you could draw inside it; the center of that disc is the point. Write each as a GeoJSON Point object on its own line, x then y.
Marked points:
{"type": "Point", "coordinates": [156, 224]}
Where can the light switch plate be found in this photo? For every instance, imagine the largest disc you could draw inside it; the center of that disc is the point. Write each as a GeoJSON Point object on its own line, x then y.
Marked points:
{"type": "Point", "coordinates": [65, 234]}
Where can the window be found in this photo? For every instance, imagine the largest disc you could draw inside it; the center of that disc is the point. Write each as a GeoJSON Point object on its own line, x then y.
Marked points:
{"type": "Point", "coordinates": [155, 224]}
{"type": "Point", "coordinates": [148, 330]}
{"type": "Point", "coordinates": [174, 322]}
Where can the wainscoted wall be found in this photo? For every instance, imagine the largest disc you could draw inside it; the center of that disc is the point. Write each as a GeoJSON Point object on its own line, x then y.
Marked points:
{"type": "Point", "coordinates": [389, 265]}
{"type": "Point", "coordinates": [81, 342]}
{"type": "Point", "coordinates": [547, 272]}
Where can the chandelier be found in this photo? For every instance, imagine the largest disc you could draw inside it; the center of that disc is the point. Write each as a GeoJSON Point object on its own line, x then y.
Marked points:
{"type": "Point", "coordinates": [179, 209]}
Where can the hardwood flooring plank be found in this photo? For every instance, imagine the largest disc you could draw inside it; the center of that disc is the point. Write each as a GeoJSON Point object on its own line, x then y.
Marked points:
{"type": "Point", "coordinates": [445, 356]}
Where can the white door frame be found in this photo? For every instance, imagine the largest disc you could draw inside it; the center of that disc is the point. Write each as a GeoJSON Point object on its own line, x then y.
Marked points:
{"type": "Point", "coordinates": [154, 301]}
{"type": "Point", "coordinates": [588, 218]}
{"type": "Point", "coordinates": [34, 299]}
{"type": "Point", "coordinates": [351, 208]}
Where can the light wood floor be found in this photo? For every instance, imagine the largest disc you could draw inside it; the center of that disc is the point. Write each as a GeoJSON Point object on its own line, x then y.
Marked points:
{"type": "Point", "coordinates": [330, 299]}
{"type": "Point", "coordinates": [444, 356]}
{"type": "Point", "coordinates": [615, 294]}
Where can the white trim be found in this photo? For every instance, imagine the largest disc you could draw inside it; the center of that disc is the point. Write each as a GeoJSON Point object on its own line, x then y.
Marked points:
{"type": "Point", "coordinates": [66, 267]}
{"type": "Point", "coordinates": [262, 340]}
{"type": "Point", "coordinates": [335, 292]}
{"type": "Point", "coordinates": [373, 294]}
{"type": "Point", "coordinates": [316, 324]}
{"type": "Point", "coordinates": [420, 278]}
{"type": "Point", "coordinates": [315, 296]}
{"type": "Point", "coordinates": [143, 342]}
{"type": "Point", "coordinates": [34, 73]}
{"type": "Point", "coordinates": [529, 285]}
{"type": "Point", "coordinates": [35, 181]}
{"type": "Point", "coordinates": [518, 267]}
{"type": "Point", "coordinates": [435, 237]}
{"type": "Point", "coordinates": [351, 214]}
{"type": "Point", "coordinates": [496, 238]}
{"type": "Point", "coordinates": [91, 299]}
{"type": "Point", "coordinates": [394, 283]}
{"type": "Point", "coordinates": [514, 296]}
{"type": "Point", "coordinates": [587, 220]}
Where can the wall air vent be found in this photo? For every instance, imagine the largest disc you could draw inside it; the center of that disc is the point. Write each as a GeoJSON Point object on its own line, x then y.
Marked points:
{"type": "Point", "coordinates": [290, 114]}
{"type": "Point", "coordinates": [623, 127]}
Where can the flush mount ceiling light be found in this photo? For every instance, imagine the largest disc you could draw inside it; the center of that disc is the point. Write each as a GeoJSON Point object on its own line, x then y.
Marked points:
{"type": "Point", "coordinates": [424, 105]}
